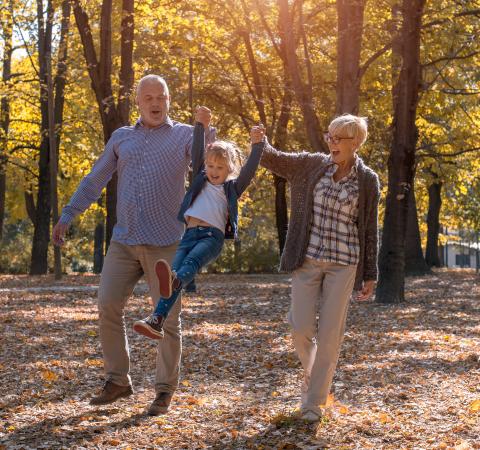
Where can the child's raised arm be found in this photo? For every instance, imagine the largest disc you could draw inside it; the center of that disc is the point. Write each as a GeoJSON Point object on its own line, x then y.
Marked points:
{"type": "Point", "coordinates": [247, 172]}
{"type": "Point", "coordinates": [202, 121]}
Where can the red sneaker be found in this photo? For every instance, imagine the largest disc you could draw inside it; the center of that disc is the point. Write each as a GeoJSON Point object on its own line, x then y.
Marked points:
{"type": "Point", "coordinates": [164, 275]}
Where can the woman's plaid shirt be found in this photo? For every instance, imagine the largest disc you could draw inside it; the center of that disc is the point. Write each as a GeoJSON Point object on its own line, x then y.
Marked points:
{"type": "Point", "coordinates": [334, 229]}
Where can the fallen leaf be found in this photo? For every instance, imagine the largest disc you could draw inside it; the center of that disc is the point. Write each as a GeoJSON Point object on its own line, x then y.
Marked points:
{"type": "Point", "coordinates": [475, 406]}
{"type": "Point", "coordinates": [48, 375]}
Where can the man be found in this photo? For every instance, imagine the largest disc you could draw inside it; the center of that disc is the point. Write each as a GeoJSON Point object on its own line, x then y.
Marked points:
{"type": "Point", "coordinates": [151, 159]}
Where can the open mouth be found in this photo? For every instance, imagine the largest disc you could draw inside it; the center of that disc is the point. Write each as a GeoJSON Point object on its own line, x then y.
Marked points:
{"type": "Point", "coordinates": [335, 152]}
{"type": "Point", "coordinates": [155, 112]}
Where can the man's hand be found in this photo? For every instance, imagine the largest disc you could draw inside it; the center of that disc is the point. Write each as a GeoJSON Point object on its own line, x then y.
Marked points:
{"type": "Point", "coordinates": [203, 115]}
{"type": "Point", "coordinates": [257, 134]}
{"type": "Point", "coordinates": [367, 290]}
{"type": "Point", "coordinates": [58, 233]}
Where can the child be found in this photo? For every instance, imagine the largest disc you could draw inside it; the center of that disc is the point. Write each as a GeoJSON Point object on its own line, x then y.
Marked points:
{"type": "Point", "coordinates": [210, 211]}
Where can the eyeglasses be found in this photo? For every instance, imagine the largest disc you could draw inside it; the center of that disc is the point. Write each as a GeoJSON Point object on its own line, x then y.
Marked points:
{"type": "Point", "coordinates": [329, 139]}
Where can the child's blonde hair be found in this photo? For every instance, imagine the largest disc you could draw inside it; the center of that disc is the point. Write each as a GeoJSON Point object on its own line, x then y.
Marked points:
{"type": "Point", "coordinates": [354, 127]}
{"type": "Point", "coordinates": [227, 151]}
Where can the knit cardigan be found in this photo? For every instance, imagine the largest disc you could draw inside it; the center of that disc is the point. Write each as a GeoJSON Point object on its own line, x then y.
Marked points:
{"type": "Point", "coordinates": [303, 171]}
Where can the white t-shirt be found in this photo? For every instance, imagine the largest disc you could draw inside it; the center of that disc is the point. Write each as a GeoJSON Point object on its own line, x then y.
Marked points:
{"type": "Point", "coordinates": [210, 206]}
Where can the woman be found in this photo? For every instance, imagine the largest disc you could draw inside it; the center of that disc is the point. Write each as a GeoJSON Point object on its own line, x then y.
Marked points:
{"type": "Point", "coordinates": [331, 247]}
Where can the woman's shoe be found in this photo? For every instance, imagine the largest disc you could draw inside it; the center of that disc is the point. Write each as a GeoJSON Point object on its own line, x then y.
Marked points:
{"type": "Point", "coordinates": [311, 416]}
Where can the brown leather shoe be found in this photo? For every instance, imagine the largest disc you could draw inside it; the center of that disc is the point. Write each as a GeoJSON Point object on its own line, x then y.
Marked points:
{"type": "Point", "coordinates": [110, 393]}
{"type": "Point", "coordinates": [160, 404]}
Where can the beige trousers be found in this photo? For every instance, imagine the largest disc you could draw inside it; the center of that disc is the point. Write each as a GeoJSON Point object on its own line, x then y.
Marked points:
{"type": "Point", "coordinates": [325, 287]}
{"type": "Point", "coordinates": [124, 265]}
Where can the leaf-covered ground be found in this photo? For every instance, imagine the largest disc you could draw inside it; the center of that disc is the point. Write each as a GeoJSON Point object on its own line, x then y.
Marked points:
{"type": "Point", "coordinates": [408, 375]}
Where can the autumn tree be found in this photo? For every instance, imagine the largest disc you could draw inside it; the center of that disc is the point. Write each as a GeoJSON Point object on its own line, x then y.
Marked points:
{"type": "Point", "coordinates": [113, 113]}
{"type": "Point", "coordinates": [6, 27]}
{"type": "Point", "coordinates": [401, 161]}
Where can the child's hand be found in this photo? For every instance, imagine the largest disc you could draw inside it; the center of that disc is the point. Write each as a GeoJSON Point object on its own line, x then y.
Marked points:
{"type": "Point", "coordinates": [257, 134]}
{"type": "Point", "coordinates": [203, 115]}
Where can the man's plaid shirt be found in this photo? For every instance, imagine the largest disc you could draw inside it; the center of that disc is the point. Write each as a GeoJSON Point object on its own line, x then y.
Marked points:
{"type": "Point", "coordinates": [334, 231]}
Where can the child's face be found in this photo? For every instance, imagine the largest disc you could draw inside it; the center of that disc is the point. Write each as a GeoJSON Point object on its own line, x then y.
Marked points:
{"type": "Point", "coordinates": [216, 169]}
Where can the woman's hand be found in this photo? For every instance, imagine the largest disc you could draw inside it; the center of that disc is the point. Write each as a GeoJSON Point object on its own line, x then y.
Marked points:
{"type": "Point", "coordinates": [257, 134]}
{"type": "Point", "coordinates": [203, 115]}
{"type": "Point", "coordinates": [367, 290]}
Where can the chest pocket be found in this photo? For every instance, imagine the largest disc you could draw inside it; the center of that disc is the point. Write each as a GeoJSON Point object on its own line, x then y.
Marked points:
{"type": "Point", "coordinates": [348, 195]}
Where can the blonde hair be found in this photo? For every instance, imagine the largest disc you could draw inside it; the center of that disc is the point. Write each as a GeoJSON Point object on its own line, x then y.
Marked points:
{"type": "Point", "coordinates": [352, 126]}
{"type": "Point", "coordinates": [227, 151]}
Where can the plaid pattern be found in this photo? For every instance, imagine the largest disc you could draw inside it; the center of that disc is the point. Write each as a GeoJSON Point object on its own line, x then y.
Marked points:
{"type": "Point", "coordinates": [151, 165]}
{"type": "Point", "coordinates": [334, 230]}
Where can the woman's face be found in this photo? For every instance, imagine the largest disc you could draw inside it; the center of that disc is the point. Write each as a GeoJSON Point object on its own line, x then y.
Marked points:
{"type": "Point", "coordinates": [342, 147]}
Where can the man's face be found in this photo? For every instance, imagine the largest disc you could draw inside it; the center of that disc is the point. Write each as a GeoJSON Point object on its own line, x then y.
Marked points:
{"type": "Point", "coordinates": [153, 103]}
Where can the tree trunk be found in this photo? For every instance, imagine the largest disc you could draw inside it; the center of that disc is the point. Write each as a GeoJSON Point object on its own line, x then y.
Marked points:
{"type": "Point", "coordinates": [112, 115]}
{"type": "Point", "coordinates": [401, 161]}
{"type": "Point", "coordinates": [303, 91]}
{"type": "Point", "coordinates": [61, 74]}
{"type": "Point", "coordinates": [30, 205]}
{"type": "Point", "coordinates": [414, 261]}
{"type": "Point", "coordinates": [41, 233]}
{"type": "Point", "coordinates": [55, 117]}
{"type": "Point", "coordinates": [432, 254]}
{"type": "Point", "coordinates": [349, 44]}
{"type": "Point", "coordinates": [281, 208]}
{"type": "Point", "coordinates": [257, 93]}
{"type": "Point", "coordinates": [7, 27]}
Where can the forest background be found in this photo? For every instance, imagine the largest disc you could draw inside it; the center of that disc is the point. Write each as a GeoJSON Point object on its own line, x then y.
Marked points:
{"type": "Point", "coordinates": [411, 67]}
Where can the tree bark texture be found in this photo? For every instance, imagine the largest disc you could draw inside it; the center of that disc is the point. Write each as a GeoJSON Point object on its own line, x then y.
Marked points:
{"type": "Point", "coordinates": [280, 184]}
{"type": "Point", "coordinates": [349, 44]}
{"type": "Point", "coordinates": [401, 161]}
{"type": "Point", "coordinates": [414, 261]}
{"type": "Point", "coordinates": [432, 253]}
{"type": "Point", "coordinates": [7, 27]}
{"type": "Point", "coordinates": [41, 233]}
{"type": "Point", "coordinates": [303, 90]}
{"type": "Point", "coordinates": [113, 115]}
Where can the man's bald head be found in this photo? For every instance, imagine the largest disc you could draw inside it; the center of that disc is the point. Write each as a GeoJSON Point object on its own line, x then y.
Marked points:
{"type": "Point", "coordinates": [153, 100]}
{"type": "Point", "coordinates": [152, 79]}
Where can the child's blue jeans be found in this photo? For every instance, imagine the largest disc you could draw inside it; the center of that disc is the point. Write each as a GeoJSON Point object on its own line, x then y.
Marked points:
{"type": "Point", "coordinates": [199, 246]}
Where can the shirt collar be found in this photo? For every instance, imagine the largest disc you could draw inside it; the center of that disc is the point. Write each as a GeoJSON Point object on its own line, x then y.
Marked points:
{"type": "Point", "coordinates": [332, 167]}
{"type": "Point", "coordinates": [168, 122]}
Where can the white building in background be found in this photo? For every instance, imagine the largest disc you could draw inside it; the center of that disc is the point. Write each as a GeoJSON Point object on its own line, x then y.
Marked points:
{"type": "Point", "coordinates": [460, 251]}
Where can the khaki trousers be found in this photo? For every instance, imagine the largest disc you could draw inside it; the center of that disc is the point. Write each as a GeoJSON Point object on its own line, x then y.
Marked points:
{"type": "Point", "coordinates": [124, 265]}
{"type": "Point", "coordinates": [329, 286]}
